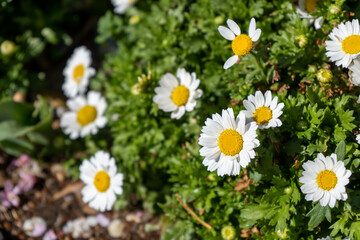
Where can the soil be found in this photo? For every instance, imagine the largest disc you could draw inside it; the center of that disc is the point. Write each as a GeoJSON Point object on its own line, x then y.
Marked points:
{"type": "Point", "coordinates": [57, 199]}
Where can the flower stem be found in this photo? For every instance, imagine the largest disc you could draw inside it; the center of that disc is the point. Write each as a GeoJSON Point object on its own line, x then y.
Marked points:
{"type": "Point", "coordinates": [258, 64]}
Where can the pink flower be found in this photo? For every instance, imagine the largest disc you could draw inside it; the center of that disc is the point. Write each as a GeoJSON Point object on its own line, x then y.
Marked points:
{"type": "Point", "coordinates": [21, 161]}
{"type": "Point", "coordinates": [39, 230]}
{"type": "Point", "coordinates": [102, 220]}
{"type": "Point", "coordinates": [27, 181]}
{"type": "Point", "coordinates": [9, 197]}
{"type": "Point", "coordinates": [50, 235]}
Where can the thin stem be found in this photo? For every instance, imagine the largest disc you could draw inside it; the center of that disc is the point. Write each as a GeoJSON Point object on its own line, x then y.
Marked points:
{"type": "Point", "coordinates": [257, 61]}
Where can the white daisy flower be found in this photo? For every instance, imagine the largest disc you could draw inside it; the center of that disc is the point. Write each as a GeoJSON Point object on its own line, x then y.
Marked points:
{"type": "Point", "coordinates": [324, 179]}
{"type": "Point", "coordinates": [85, 115]}
{"type": "Point", "coordinates": [77, 72]}
{"type": "Point", "coordinates": [102, 181]}
{"type": "Point", "coordinates": [344, 45]}
{"type": "Point", "coordinates": [241, 43]}
{"type": "Point", "coordinates": [120, 6]}
{"type": "Point", "coordinates": [263, 109]}
{"type": "Point", "coordinates": [228, 143]}
{"type": "Point", "coordinates": [306, 7]}
{"type": "Point", "coordinates": [177, 96]}
{"type": "Point", "coordinates": [354, 75]}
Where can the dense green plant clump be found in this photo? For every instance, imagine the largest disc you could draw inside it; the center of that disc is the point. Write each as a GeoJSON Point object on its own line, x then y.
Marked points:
{"type": "Point", "coordinates": [286, 53]}
{"type": "Point", "coordinates": [160, 156]}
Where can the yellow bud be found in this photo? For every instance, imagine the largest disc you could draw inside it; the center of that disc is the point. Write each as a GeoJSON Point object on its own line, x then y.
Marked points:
{"type": "Point", "coordinates": [334, 9]}
{"type": "Point", "coordinates": [7, 47]}
{"type": "Point", "coordinates": [302, 40]}
{"type": "Point", "coordinates": [134, 19]}
{"type": "Point", "coordinates": [324, 75]}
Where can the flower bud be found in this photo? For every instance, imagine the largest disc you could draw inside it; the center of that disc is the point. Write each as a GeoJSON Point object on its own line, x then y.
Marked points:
{"type": "Point", "coordinates": [228, 232]}
{"type": "Point", "coordinates": [324, 75]}
{"type": "Point", "coordinates": [134, 19]}
{"type": "Point", "coordinates": [7, 47]}
{"type": "Point", "coordinates": [283, 234]}
{"type": "Point", "coordinates": [288, 191]}
{"type": "Point", "coordinates": [334, 9]}
{"type": "Point", "coordinates": [302, 40]}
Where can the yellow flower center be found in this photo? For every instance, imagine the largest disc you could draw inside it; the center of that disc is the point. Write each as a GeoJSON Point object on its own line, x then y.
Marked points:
{"type": "Point", "coordinates": [102, 181]}
{"type": "Point", "coordinates": [230, 142]}
{"type": "Point", "coordinates": [78, 73]}
{"type": "Point", "coordinates": [351, 44]}
{"type": "Point", "coordinates": [262, 115]}
{"type": "Point", "coordinates": [326, 180]}
{"type": "Point", "coordinates": [242, 45]}
{"type": "Point", "coordinates": [86, 115]}
{"type": "Point", "coordinates": [310, 5]}
{"type": "Point", "coordinates": [180, 95]}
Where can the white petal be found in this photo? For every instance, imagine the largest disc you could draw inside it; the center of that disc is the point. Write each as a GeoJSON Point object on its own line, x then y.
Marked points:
{"type": "Point", "coordinates": [325, 199]}
{"type": "Point", "coordinates": [233, 27]}
{"type": "Point", "coordinates": [256, 35]}
{"type": "Point", "coordinates": [231, 61]}
{"type": "Point", "coordinates": [226, 33]}
{"type": "Point", "coordinates": [259, 99]}
{"type": "Point", "coordinates": [252, 27]}
{"type": "Point", "coordinates": [319, 22]}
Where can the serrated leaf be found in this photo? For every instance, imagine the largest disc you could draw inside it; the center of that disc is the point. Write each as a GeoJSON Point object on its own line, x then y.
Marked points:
{"type": "Point", "coordinates": [355, 230]}
{"type": "Point", "coordinates": [254, 211]}
{"type": "Point", "coordinates": [339, 225]}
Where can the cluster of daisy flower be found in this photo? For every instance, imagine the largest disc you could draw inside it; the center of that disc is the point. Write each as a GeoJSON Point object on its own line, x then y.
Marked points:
{"type": "Point", "coordinates": [86, 116]}
{"type": "Point", "coordinates": [344, 46]}
{"type": "Point", "coordinates": [227, 141]}
{"type": "Point", "coordinates": [86, 112]}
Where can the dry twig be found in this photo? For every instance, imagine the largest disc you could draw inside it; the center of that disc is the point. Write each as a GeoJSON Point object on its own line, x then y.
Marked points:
{"type": "Point", "coordinates": [191, 212]}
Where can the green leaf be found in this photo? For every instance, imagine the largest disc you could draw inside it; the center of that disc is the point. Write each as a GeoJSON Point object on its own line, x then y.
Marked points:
{"type": "Point", "coordinates": [340, 150]}
{"type": "Point", "coordinates": [280, 218]}
{"type": "Point", "coordinates": [339, 225]}
{"type": "Point", "coordinates": [293, 146]}
{"type": "Point", "coordinates": [16, 146]}
{"type": "Point", "coordinates": [10, 129]}
{"type": "Point", "coordinates": [317, 215]}
{"type": "Point", "coordinates": [254, 212]}
{"type": "Point", "coordinates": [328, 214]}
{"type": "Point", "coordinates": [339, 133]}
{"type": "Point", "coordinates": [355, 230]}
{"type": "Point", "coordinates": [20, 112]}
{"type": "Point", "coordinates": [37, 138]}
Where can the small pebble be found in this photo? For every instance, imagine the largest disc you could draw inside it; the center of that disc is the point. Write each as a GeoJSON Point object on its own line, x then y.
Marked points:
{"type": "Point", "coordinates": [116, 228]}
{"type": "Point", "coordinates": [34, 227]}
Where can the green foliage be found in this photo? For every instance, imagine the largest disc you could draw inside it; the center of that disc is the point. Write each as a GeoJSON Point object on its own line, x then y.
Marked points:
{"type": "Point", "coordinates": [160, 155]}
{"type": "Point", "coordinates": [22, 126]}
{"type": "Point", "coordinates": [38, 34]}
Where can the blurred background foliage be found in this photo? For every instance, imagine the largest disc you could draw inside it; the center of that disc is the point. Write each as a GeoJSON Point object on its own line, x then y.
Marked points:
{"type": "Point", "coordinates": [159, 155]}
{"type": "Point", "coordinates": [36, 40]}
